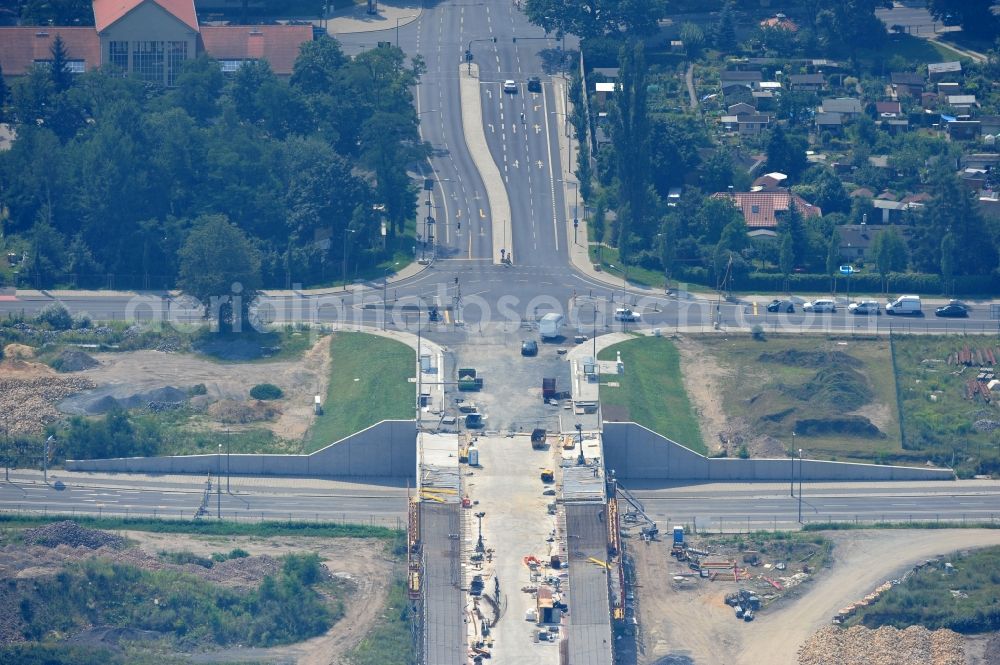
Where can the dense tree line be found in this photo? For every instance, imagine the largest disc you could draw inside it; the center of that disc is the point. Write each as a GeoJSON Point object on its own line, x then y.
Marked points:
{"type": "Point", "coordinates": [111, 176]}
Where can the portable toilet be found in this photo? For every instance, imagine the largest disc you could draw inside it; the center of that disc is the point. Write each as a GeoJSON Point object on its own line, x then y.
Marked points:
{"type": "Point", "coordinates": [678, 535]}
{"type": "Point", "coordinates": [473, 456]}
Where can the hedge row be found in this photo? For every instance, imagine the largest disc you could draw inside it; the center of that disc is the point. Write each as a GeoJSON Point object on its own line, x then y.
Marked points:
{"type": "Point", "coordinates": [920, 283]}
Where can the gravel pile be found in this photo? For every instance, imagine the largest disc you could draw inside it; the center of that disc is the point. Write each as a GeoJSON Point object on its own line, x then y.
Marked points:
{"type": "Point", "coordinates": [885, 646]}
{"type": "Point", "coordinates": [985, 425]}
{"type": "Point", "coordinates": [74, 535]}
{"type": "Point", "coordinates": [29, 402]}
{"type": "Point", "coordinates": [72, 360]}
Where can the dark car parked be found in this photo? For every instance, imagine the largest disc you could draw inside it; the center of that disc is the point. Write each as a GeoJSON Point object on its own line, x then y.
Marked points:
{"type": "Point", "coordinates": [529, 347]}
{"type": "Point", "coordinates": [954, 310]}
{"type": "Point", "coordinates": [781, 306]}
{"type": "Point", "coordinates": [534, 84]}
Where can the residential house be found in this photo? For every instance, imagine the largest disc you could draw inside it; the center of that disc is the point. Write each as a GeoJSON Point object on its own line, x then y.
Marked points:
{"type": "Point", "coordinates": [962, 102]}
{"type": "Point", "coordinates": [980, 160]}
{"type": "Point", "coordinates": [888, 109]}
{"type": "Point", "coordinates": [807, 82]}
{"type": "Point", "coordinates": [151, 39]}
{"type": "Point", "coordinates": [990, 124]}
{"type": "Point", "coordinates": [780, 22]}
{"type": "Point", "coordinates": [974, 179]}
{"type": "Point", "coordinates": [753, 125]}
{"type": "Point", "coordinates": [938, 71]}
{"type": "Point", "coordinates": [769, 182]}
{"type": "Point", "coordinates": [949, 88]}
{"type": "Point", "coordinates": [848, 106]}
{"type": "Point", "coordinates": [764, 210]}
{"type": "Point", "coordinates": [741, 108]}
{"type": "Point", "coordinates": [856, 239]}
{"type": "Point", "coordinates": [907, 83]}
{"type": "Point", "coordinates": [763, 100]}
{"type": "Point", "coordinates": [735, 93]}
{"type": "Point", "coordinates": [830, 122]}
{"type": "Point", "coordinates": [896, 125]}
{"type": "Point", "coordinates": [773, 86]}
{"type": "Point", "coordinates": [963, 130]}
{"type": "Point", "coordinates": [746, 79]}
{"type": "Point", "coordinates": [609, 73]}
{"type": "Point", "coordinates": [862, 193]}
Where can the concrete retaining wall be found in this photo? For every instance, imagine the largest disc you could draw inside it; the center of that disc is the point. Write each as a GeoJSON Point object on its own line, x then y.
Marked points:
{"type": "Point", "coordinates": [635, 452]}
{"type": "Point", "coordinates": [385, 450]}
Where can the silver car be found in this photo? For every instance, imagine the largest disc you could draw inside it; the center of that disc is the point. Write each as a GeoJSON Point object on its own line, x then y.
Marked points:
{"type": "Point", "coordinates": [821, 305]}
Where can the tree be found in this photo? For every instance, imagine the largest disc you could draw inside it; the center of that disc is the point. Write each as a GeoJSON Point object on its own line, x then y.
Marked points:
{"type": "Point", "coordinates": [725, 32]}
{"type": "Point", "coordinates": [199, 85]}
{"type": "Point", "coordinates": [948, 261]}
{"type": "Point", "coordinates": [597, 18]}
{"type": "Point", "coordinates": [833, 256]}
{"type": "Point", "coordinates": [786, 256]}
{"type": "Point", "coordinates": [975, 16]}
{"type": "Point", "coordinates": [673, 149]}
{"type": "Point", "coordinates": [4, 94]}
{"type": "Point", "coordinates": [889, 251]}
{"type": "Point", "coordinates": [786, 154]}
{"type": "Point", "coordinates": [318, 66]}
{"type": "Point", "coordinates": [217, 261]}
{"type": "Point", "coordinates": [59, 72]}
{"type": "Point", "coordinates": [830, 193]}
{"type": "Point", "coordinates": [693, 38]}
{"type": "Point", "coordinates": [57, 12]}
{"type": "Point", "coordinates": [630, 134]}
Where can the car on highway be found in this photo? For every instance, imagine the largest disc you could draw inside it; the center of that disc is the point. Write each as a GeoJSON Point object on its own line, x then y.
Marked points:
{"type": "Point", "coordinates": [510, 87]}
{"type": "Point", "coordinates": [820, 305]}
{"type": "Point", "coordinates": [625, 314]}
{"type": "Point", "coordinates": [534, 84]}
{"type": "Point", "coordinates": [865, 307]}
{"type": "Point", "coordinates": [781, 306]}
{"type": "Point", "coordinates": [529, 347]}
{"type": "Point", "coordinates": [59, 485]}
{"type": "Point", "coordinates": [952, 310]}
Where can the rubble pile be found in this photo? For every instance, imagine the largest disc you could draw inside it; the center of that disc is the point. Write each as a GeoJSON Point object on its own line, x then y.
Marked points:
{"type": "Point", "coordinates": [72, 534]}
{"type": "Point", "coordinates": [884, 646]}
{"type": "Point", "coordinates": [28, 402]}
{"type": "Point", "coordinates": [72, 360]}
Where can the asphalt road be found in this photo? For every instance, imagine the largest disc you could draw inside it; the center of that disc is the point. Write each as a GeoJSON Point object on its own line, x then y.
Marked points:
{"type": "Point", "coordinates": [181, 497]}
{"type": "Point", "coordinates": [715, 506]}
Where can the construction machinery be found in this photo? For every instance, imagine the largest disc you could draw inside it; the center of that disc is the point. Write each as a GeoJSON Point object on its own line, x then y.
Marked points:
{"type": "Point", "coordinates": [537, 438]}
{"type": "Point", "coordinates": [548, 476]}
{"type": "Point", "coordinates": [469, 380]}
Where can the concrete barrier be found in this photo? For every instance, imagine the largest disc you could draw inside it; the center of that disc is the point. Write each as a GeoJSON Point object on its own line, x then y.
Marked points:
{"type": "Point", "coordinates": [635, 452]}
{"type": "Point", "coordinates": [387, 449]}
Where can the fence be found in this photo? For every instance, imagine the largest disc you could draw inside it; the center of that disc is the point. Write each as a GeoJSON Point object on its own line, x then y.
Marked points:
{"type": "Point", "coordinates": [747, 524]}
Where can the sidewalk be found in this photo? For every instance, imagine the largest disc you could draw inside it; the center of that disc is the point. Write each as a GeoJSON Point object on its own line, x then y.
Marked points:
{"type": "Point", "coordinates": [391, 14]}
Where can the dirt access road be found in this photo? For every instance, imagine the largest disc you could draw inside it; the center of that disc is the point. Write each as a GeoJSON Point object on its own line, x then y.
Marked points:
{"type": "Point", "coordinates": [693, 626]}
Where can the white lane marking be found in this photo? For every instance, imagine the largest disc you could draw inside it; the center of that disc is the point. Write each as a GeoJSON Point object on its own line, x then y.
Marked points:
{"type": "Point", "coordinates": [552, 178]}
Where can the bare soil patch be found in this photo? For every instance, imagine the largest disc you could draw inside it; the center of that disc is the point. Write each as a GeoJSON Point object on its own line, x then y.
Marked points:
{"type": "Point", "coordinates": [138, 372]}
{"type": "Point", "coordinates": [690, 623]}
{"type": "Point", "coordinates": [703, 380]}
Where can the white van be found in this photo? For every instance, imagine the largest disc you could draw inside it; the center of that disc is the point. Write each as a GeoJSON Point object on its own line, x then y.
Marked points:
{"type": "Point", "coordinates": [549, 325]}
{"type": "Point", "coordinates": [905, 305]}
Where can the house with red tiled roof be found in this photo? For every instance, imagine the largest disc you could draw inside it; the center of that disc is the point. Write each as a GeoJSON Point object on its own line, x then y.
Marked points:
{"type": "Point", "coordinates": [764, 210]}
{"type": "Point", "coordinates": [151, 39]}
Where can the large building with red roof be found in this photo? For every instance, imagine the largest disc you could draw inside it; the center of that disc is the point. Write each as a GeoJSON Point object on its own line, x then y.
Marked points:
{"type": "Point", "coordinates": [764, 210]}
{"type": "Point", "coordinates": [151, 39]}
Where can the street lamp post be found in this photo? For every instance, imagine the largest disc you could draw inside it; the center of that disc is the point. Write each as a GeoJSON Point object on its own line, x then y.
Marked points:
{"type": "Point", "coordinates": [45, 459]}
{"type": "Point", "coordinates": [385, 298]}
{"type": "Point", "coordinates": [800, 486]}
{"type": "Point", "coordinates": [791, 479]}
{"type": "Point", "coordinates": [344, 257]}
{"type": "Point", "coordinates": [228, 466]}
{"type": "Point", "coordinates": [576, 206]}
{"type": "Point", "coordinates": [480, 547]}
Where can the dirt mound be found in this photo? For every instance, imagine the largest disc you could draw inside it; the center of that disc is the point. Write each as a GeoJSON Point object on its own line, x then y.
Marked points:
{"type": "Point", "coordinates": [862, 646]}
{"type": "Point", "coordinates": [800, 358]}
{"type": "Point", "coordinates": [843, 425]}
{"type": "Point", "coordinates": [18, 352]}
{"type": "Point", "coordinates": [232, 412]}
{"type": "Point", "coordinates": [72, 360]}
{"type": "Point", "coordinates": [838, 388]}
{"type": "Point", "coordinates": [72, 534]}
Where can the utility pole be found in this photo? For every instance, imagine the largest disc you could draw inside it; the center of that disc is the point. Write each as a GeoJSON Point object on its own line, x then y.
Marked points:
{"type": "Point", "coordinates": [791, 480]}
{"type": "Point", "coordinates": [45, 460]}
{"type": "Point", "coordinates": [228, 467]}
{"type": "Point", "coordinates": [346, 231]}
